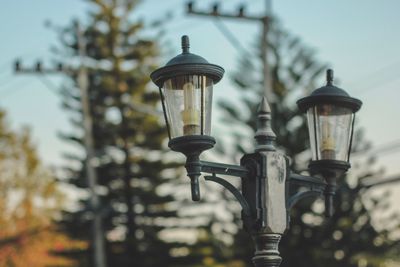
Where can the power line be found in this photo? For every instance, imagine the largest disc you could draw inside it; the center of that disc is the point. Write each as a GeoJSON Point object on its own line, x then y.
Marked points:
{"type": "Point", "coordinates": [5, 92]}
{"type": "Point", "coordinates": [4, 67]}
{"type": "Point", "coordinates": [381, 70]}
{"type": "Point", "coordinates": [6, 85]}
{"type": "Point", "coordinates": [191, 25]}
{"type": "Point", "coordinates": [372, 182]}
{"type": "Point", "coordinates": [49, 85]}
{"type": "Point", "coordinates": [7, 81]}
{"type": "Point", "coordinates": [145, 109]}
{"type": "Point", "coordinates": [240, 14]}
{"type": "Point", "coordinates": [374, 87]}
{"type": "Point", "coordinates": [376, 80]}
{"type": "Point", "coordinates": [230, 36]}
{"type": "Point", "coordinates": [389, 147]}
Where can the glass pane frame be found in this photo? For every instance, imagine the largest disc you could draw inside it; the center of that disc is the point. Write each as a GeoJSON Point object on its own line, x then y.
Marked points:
{"type": "Point", "coordinates": [331, 132]}
{"type": "Point", "coordinates": [187, 105]}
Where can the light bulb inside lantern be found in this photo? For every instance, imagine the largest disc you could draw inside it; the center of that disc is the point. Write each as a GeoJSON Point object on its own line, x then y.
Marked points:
{"type": "Point", "coordinates": [190, 114]}
{"type": "Point", "coordinates": [328, 142]}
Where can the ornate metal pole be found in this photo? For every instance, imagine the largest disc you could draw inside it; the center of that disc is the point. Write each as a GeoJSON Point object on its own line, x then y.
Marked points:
{"type": "Point", "coordinates": [269, 189]}
{"type": "Point", "coordinates": [267, 231]}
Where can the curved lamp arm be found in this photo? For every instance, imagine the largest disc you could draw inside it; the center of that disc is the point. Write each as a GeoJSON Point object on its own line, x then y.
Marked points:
{"type": "Point", "coordinates": [235, 192]}
{"type": "Point", "coordinates": [304, 186]}
{"type": "Point", "coordinates": [246, 211]}
{"type": "Point", "coordinates": [227, 169]}
{"type": "Point", "coordinates": [224, 169]}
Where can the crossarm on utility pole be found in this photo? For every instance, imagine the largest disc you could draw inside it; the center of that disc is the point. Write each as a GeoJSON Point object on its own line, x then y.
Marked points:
{"type": "Point", "coordinates": [265, 21]}
{"type": "Point", "coordinates": [215, 13]}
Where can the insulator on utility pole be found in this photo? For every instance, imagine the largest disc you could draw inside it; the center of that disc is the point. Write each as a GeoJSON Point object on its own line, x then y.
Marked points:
{"type": "Point", "coordinates": [241, 11]}
{"type": "Point", "coordinates": [17, 65]}
{"type": "Point", "coordinates": [189, 7]}
{"type": "Point", "coordinates": [215, 9]}
{"type": "Point", "coordinates": [60, 67]}
{"type": "Point", "coordinates": [38, 66]}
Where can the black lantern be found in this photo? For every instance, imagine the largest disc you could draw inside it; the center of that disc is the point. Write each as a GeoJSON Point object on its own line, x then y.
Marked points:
{"type": "Point", "coordinates": [186, 84]}
{"type": "Point", "coordinates": [331, 115]}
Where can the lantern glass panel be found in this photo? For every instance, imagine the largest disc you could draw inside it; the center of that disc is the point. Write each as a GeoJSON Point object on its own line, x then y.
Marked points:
{"type": "Point", "coordinates": [330, 130]}
{"type": "Point", "coordinates": [188, 102]}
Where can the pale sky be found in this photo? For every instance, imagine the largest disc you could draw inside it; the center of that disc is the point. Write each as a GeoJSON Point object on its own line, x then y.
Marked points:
{"type": "Point", "coordinates": [359, 39]}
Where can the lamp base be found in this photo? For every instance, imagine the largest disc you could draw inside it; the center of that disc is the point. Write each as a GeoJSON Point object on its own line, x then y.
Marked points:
{"type": "Point", "coordinates": [192, 146]}
{"type": "Point", "coordinates": [189, 144]}
{"type": "Point", "coordinates": [267, 253]}
{"type": "Point", "coordinates": [329, 168]}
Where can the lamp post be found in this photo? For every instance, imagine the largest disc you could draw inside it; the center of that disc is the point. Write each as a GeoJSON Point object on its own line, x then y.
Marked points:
{"type": "Point", "coordinates": [269, 189]}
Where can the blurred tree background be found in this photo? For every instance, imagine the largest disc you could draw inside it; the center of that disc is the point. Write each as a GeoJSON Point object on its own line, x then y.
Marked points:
{"type": "Point", "coordinates": [349, 238]}
{"type": "Point", "coordinates": [30, 201]}
{"type": "Point", "coordinates": [147, 215]}
{"type": "Point", "coordinates": [133, 165]}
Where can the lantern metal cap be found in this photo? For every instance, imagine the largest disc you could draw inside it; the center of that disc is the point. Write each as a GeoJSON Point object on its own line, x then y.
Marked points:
{"type": "Point", "coordinates": [186, 64]}
{"type": "Point", "coordinates": [329, 94]}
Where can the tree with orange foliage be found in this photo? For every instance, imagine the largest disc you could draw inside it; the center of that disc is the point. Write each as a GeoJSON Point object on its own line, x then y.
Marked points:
{"type": "Point", "coordinates": [29, 201]}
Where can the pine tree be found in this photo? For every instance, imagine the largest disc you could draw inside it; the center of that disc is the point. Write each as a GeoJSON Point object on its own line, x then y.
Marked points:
{"type": "Point", "coordinates": [347, 239]}
{"type": "Point", "coordinates": [133, 169]}
{"type": "Point", "coordinates": [30, 199]}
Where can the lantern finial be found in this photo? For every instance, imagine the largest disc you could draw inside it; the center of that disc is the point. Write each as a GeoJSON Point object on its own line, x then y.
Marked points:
{"type": "Point", "coordinates": [329, 76]}
{"type": "Point", "coordinates": [264, 135]}
{"type": "Point", "coordinates": [185, 44]}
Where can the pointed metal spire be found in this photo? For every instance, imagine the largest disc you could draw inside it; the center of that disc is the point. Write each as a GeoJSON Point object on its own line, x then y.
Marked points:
{"type": "Point", "coordinates": [264, 135]}
{"type": "Point", "coordinates": [264, 106]}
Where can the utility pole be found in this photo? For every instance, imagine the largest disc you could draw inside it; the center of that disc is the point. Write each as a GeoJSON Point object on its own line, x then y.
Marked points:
{"type": "Point", "coordinates": [265, 22]}
{"type": "Point", "coordinates": [267, 81]}
{"type": "Point", "coordinates": [99, 255]}
{"type": "Point", "coordinates": [97, 223]}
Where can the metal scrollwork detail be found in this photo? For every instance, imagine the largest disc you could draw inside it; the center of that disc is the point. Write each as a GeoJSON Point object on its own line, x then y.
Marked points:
{"type": "Point", "coordinates": [305, 186]}
{"type": "Point", "coordinates": [235, 192]}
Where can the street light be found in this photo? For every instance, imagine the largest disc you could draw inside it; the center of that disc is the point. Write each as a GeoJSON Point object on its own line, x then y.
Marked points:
{"type": "Point", "coordinates": [331, 115]}
{"type": "Point", "coordinates": [185, 85]}
{"type": "Point", "coordinates": [269, 189]}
